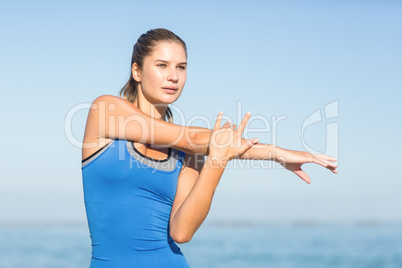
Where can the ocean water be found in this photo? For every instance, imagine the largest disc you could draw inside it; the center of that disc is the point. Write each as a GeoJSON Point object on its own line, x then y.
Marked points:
{"type": "Point", "coordinates": [222, 245]}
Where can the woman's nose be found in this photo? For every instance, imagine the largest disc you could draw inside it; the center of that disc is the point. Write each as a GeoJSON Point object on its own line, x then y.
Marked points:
{"type": "Point", "coordinates": [173, 76]}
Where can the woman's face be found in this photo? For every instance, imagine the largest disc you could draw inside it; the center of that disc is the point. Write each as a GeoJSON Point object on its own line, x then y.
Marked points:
{"type": "Point", "coordinates": [164, 73]}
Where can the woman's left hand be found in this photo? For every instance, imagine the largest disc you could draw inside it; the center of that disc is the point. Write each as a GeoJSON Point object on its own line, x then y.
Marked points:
{"type": "Point", "coordinates": [226, 142]}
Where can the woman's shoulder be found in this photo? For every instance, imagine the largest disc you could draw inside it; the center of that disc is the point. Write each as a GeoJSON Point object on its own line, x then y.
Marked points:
{"type": "Point", "coordinates": [108, 99]}
{"type": "Point", "coordinates": [93, 139]}
{"type": "Point", "coordinates": [111, 102]}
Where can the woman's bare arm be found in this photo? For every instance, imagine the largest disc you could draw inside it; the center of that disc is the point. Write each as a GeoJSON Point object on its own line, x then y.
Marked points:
{"type": "Point", "coordinates": [195, 192]}
{"type": "Point", "coordinates": [112, 117]}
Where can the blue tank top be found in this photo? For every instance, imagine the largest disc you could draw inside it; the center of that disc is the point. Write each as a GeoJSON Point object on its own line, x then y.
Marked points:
{"type": "Point", "coordinates": [128, 199]}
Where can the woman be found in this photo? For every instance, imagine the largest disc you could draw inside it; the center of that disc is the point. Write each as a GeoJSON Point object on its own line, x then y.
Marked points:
{"type": "Point", "coordinates": [146, 185]}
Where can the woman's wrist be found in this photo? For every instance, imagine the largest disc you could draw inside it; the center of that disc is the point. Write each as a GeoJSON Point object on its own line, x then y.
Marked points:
{"type": "Point", "coordinates": [216, 162]}
{"type": "Point", "coordinates": [261, 151]}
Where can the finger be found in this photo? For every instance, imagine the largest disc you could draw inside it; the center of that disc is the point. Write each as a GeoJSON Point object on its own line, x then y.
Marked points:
{"type": "Point", "coordinates": [326, 164]}
{"type": "Point", "coordinates": [333, 169]}
{"type": "Point", "coordinates": [247, 145]}
{"type": "Point", "coordinates": [226, 125]}
{"type": "Point", "coordinates": [326, 157]}
{"type": "Point", "coordinates": [218, 121]}
{"type": "Point", "coordinates": [319, 161]}
{"type": "Point", "coordinates": [233, 126]}
{"type": "Point", "coordinates": [243, 124]}
{"type": "Point", "coordinates": [303, 175]}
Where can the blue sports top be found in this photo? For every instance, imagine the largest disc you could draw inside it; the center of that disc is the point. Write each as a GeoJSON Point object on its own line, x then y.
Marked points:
{"type": "Point", "coordinates": [128, 199]}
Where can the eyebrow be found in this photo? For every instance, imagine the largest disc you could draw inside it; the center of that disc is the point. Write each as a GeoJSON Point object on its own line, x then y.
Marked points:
{"type": "Point", "coordinates": [180, 63]}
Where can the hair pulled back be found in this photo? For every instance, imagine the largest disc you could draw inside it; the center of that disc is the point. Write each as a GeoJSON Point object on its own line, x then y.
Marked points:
{"type": "Point", "coordinates": [145, 46]}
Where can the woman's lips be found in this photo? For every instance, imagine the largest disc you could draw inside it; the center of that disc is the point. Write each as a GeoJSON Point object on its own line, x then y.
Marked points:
{"type": "Point", "coordinates": [170, 90]}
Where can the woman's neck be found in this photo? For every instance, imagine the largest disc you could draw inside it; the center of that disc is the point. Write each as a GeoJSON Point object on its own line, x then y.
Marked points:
{"type": "Point", "coordinates": [157, 111]}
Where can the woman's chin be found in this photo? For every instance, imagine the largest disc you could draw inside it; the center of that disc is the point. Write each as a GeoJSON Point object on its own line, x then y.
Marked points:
{"type": "Point", "coordinates": [168, 99]}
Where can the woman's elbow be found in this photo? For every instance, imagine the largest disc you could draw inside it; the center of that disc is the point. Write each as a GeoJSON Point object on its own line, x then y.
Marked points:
{"type": "Point", "coordinates": [181, 237]}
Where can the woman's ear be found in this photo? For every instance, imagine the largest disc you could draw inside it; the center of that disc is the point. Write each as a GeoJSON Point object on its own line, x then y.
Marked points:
{"type": "Point", "coordinates": [135, 70]}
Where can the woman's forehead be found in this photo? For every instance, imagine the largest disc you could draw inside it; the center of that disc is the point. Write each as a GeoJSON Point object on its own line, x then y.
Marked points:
{"type": "Point", "coordinates": [169, 51]}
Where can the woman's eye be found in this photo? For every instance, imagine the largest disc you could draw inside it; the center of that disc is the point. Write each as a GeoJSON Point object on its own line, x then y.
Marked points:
{"type": "Point", "coordinates": [181, 67]}
{"type": "Point", "coordinates": [162, 65]}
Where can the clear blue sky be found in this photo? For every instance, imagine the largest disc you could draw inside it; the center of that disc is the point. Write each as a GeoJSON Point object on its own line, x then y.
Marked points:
{"type": "Point", "coordinates": [273, 58]}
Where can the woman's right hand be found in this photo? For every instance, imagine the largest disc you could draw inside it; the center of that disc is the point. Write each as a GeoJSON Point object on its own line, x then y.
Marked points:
{"type": "Point", "coordinates": [226, 142]}
{"type": "Point", "coordinates": [293, 161]}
